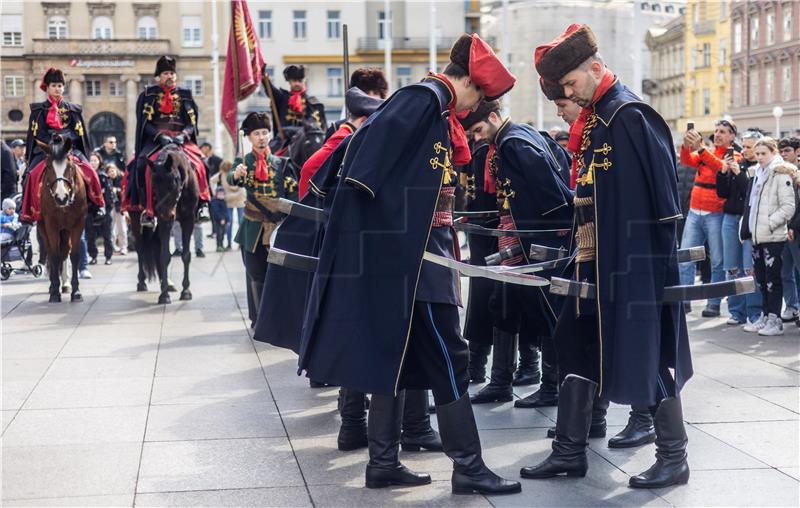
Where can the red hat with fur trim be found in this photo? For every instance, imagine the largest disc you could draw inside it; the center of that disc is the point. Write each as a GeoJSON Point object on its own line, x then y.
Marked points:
{"type": "Point", "coordinates": [52, 75]}
{"type": "Point", "coordinates": [471, 53]}
{"type": "Point", "coordinates": [565, 53]}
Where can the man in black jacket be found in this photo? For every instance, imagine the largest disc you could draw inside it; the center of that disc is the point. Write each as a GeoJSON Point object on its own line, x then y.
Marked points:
{"type": "Point", "coordinates": [9, 173]}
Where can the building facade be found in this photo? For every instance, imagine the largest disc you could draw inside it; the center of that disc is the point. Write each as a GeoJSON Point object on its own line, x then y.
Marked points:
{"type": "Point", "coordinates": [765, 62]}
{"type": "Point", "coordinates": [620, 27]}
{"type": "Point", "coordinates": [665, 85]}
{"type": "Point", "coordinates": [108, 52]}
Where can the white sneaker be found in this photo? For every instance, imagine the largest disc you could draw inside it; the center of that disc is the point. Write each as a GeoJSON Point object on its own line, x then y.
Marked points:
{"type": "Point", "coordinates": [755, 326]}
{"type": "Point", "coordinates": [85, 274]}
{"type": "Point", "coordinates": [732, 321]}
{"type": "Point", "coordinates": [773, 327]}
{"type": "Point", "coordinates": [789, 314]}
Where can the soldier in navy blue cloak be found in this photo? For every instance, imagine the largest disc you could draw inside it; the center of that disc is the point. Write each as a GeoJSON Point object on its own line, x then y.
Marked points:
{"type": "Point", "coordinates": [379, 319]}
{"type": "Point", "coordinates": [624, 344]}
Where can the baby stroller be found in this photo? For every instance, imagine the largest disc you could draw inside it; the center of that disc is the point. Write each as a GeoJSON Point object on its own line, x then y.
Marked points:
{"type": "Point", "coordinates": [18, 248]}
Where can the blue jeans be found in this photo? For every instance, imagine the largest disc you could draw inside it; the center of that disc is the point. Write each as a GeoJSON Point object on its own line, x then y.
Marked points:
{"type": "Point", "coordinates": [239, 215]}
{"type": "Point", "coordinates": [791, 262]}
{"type": "Point", "coordinates": [178, 239]}
{"type": "Point", "coordinates": [698, 230]}
{"type": "Point", "coordinates": [84, 262]}
{"type": "Point", "coordinates": [732, 262]}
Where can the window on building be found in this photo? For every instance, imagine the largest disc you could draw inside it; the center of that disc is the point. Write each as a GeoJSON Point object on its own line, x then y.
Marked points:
{"type": "Point", "coordinates": [93, 88]}
{"type": "Point", "coordinates": [787, 22]}
{"type": "Point", "coordinates": [645, 6]}
{"type": "Point", "coordinates": [694, 59]}
{"type": "Point", "coordinates": [723, 51]}
{"type": "Point", "coordinates": [115, 88]}
{"type": "Point", "coordinates": [403, 76]}
{"type": "Point", "coordinates": [334, 25]}
{"type": "Point", "coordinates": [786, 82]}
{"type": "Point", "coordinates": [102, 27]}
{"type": "Point", "coordinates": [335, 84]}
{"type": "Point", "coordinates": [670, 9]}
{"type": "Point", "coordinates": [737, 37]}
{"type": "Point", "coordinates": [57, 27]}
{"type": "Point", "coordinates": [770, 28]}
{"type": "Point", "coordinates": [383, 25]}
{"type": "Point", "coordinates": [147, 27]}
{"type": "Point", "coordinates": [195, 84]}
{"type": "Point", "coordinates": [656, 8]}
{"type": "Point", "coordinates": [12, 30]}
{"type": "Point", "coordinates": [736, 88]}
{"type": "Point", "coordinates": [769, 84]}
{"type": "Point", "coordinates": [706, 101]}
{"type": "Point", "coordinates": [723, 9]}
{"type": "Point", "coordinates": [706, 54]}
{"type": "Point", "coordinates": [755, 76]}
{"type": "Point", "coordinates": [754, 32]}
{"type": "Point", "coordinates": [265, 24]}
{"type": "Point", "coordinates": [14, 86]}
{"type": "Point", "coordinates": [299, 24]}
{"type": "Point", "coordinates": [192, 31]}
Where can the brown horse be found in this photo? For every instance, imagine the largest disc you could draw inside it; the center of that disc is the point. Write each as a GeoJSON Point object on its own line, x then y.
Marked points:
{"type": "Point", "coordinates": [176, 194]}
{"type": "Point", "coordinates": [64, 207]}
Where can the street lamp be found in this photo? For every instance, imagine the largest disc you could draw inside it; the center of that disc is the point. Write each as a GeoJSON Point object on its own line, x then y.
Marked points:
{"type": "Point", "coordinates": [777, 112]}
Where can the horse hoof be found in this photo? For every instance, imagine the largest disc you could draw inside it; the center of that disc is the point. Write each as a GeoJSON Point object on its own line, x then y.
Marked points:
{"type": "Point", "coordinates": [55, 298]}
{"type": "Point", "coordinates": [186, 294]}
{"type": "Point", "coordinates": [164, 298]}
{"type": "Point", "coordinates": [65, 289]}
{"type": "Point", "coordinates": [76, 297]}
{"type": "Point", "coordinates": [141, 287]}
{"type": "Point", "coordinates": [171, 288]}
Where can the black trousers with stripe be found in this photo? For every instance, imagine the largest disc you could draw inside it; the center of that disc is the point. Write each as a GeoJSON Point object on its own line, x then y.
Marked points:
{"type": "Point", "coordinates": [437, 355]}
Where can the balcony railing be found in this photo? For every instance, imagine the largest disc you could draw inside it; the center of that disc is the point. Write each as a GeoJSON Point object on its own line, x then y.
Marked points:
{"type": "Point", "coordinates": [376, 43]}
{"type": "Point", "coordinates": [101, 47]}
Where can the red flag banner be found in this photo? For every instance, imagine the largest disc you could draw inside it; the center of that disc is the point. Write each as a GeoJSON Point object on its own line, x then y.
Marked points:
{"type": "Point", "coordinates": [242, 66]}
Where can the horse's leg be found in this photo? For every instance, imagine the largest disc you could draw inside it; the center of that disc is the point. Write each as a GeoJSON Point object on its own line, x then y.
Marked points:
{"type": "Point", "coordinates": [53, 266]}
{"type": "Point", "coordinates": [65, 281]}
{"type": "Point", "coordinates": [75, 259]}
{"type": "Point", "coordinates": [187, 228]}
{"type": "Point", "coordinates": [137, 235]}
{"type": "Point", "coordinates": [163, 262]}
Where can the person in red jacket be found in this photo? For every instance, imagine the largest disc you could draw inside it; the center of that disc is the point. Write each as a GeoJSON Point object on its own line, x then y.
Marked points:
{"type": "Point", "coordinates": [704, 221]}
{"type": "Point", "coordinates": [359, 106]}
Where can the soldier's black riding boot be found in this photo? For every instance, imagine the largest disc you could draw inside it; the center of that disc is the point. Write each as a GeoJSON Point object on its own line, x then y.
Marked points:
{"type": "Point", "coordinates": [463, 445]}
{"type": "Point", "coordinates": [504, 356]}
{"type": "Point", "coordinates": [528, 372]}
{"type": "Point", "coordinates": [256, 288]}
{"type": "Point", "coordinates": [547, 394]}
{"type": "Point", "coordinates": [383, 433]}
{"type": "Point", "coordinates": [478, 355]}
{"type": "Point", "coordinates": [417, 432]}
{"type": "Point", "coordinates": [638, 432]}
{"type": "Point", "coordinates": [598, 427]}
{"type": "Point", "coordinates": [671, 467]}
{"type": "Point", "coordinates": [353, 432]}
{"type": "Point", "coordinates": [572, 431]}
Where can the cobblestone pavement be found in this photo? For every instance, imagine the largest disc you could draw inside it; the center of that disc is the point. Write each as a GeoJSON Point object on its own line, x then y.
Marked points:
{"type": "Point", "coordinates": [119, 401]}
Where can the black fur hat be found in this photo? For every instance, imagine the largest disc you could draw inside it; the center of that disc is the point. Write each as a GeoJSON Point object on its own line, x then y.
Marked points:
{"type": "Point", "coordinates": [254, 121]}
{"type": "Point", "coordinates": [553, 91]}
{"type": "Point", "coordinates": [485, 108]}
{"type": "Point", "coordinates": [52, 75]}
{"type": "Point", "coordinates": [165, 63]}
{"type": "Point", "coordinates": [370, 79]}
{"type": "Point", "coordinates": [459, 53]}
{"type": "Point", "coordinates": [297, 72]}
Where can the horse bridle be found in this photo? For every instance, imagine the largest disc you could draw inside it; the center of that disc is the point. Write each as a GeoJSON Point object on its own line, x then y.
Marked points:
{"type": "Point", "coordinates": [162, 157]}
{"type": "Point", "coordinates": [70, 183]}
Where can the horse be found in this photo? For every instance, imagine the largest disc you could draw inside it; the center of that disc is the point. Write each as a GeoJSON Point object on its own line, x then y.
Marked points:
{"type": "Point", "coordinates": [176, 195]}
{"type": "Point", "coordinates": [303, 144]}
{"type": "Point", "coordinates": [64, 206]}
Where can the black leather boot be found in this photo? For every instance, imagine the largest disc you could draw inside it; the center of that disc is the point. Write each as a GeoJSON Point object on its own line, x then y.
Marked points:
{"type": "Point", "coordinates": [478, 355]}
{"type": "Point", "coordinates": [638, 432]}
{"type": "Point", "coordinates": [353, 432]}
{"type": "Point", "coordinates": [383, 433]}
{"type": "Point", "coordinates": [417, 432]}
{"type": "Point", "coordinates": [503, 366]}
{"type": "Point", "coordinates": [572, 431]}
{"type": "Point", "coordinates": [671, 467]}
{"type": "Point", "coordinates": [547, 394]}
{"type": "Point", "coordinates": [463, 445]}
{"type": "Point", "coordinates": [599, 426]}
{"type": "Point", "coordinates": [528, 372]}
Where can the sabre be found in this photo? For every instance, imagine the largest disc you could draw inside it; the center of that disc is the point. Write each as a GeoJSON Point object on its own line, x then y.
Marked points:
{"type": "Point", "coordinates": [588, 291]}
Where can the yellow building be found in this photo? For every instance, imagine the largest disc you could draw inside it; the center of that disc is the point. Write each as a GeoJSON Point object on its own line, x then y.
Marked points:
{"type": "Point", "coordinates": [707, 79]}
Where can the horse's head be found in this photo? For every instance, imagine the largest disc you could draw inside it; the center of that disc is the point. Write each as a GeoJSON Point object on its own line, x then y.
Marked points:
{"type": "Point", "coordinates": [60, 175]}
{"type": "Point", "coordinates": [170, 173]}
{"type": "Point", "coordinates": [305, 143]}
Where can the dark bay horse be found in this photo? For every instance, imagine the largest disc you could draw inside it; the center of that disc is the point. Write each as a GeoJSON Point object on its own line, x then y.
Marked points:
{"type": "Point", "coordinates": [175, 194]}
{"type": "Point", "coordinates": [64, 206]}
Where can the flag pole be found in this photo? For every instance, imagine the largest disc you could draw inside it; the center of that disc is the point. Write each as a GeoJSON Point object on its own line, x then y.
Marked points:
{"type": "Point", "coordinates": [273, 107]}
{"type": "Point", "coordinates": [346, 59]}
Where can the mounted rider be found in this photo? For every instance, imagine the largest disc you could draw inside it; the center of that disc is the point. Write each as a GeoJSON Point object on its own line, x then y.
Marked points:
{"type": "Point", "coordinates": [52, 116]}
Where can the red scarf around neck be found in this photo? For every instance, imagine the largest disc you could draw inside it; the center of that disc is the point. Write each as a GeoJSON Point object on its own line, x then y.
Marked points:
{"type": "Point", "coordinates": [458, 138]}
{"type": "Point", "coordinates": [166, 102]}
{"type": "Point", "coordinates": [488, 178]}
{"type": "Point", "coordinates": [296, 100]}
{"type": "Point", "coordinates": [576, 129]}
{"type": "Point", "coordinates": [53, 118]}
{"type": "Point", "coordinates": [262, 168]}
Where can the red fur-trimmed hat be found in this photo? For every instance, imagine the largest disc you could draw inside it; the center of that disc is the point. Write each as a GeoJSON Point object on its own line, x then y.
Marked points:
{"type": "Point", "coordinates": [52, 75]}
{"type": "Point", "coordinates": [553, 91]}
{"type": "Point", "coordinates": [472, 54]}
{"type": "Point", "coordinates": [564, 53]}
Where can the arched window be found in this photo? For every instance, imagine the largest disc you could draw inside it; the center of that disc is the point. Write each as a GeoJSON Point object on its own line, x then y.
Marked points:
{"type": "Point", "coordinates": [656, 7]}
{"type": "Point", "coordinates": [669, 8]}
{"type": "Point", "coordinates": [102, 27]}
{"type": "Point", "coordinates": [147, 28]}
{"type": "Point", "coordinates": [57, 27]}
